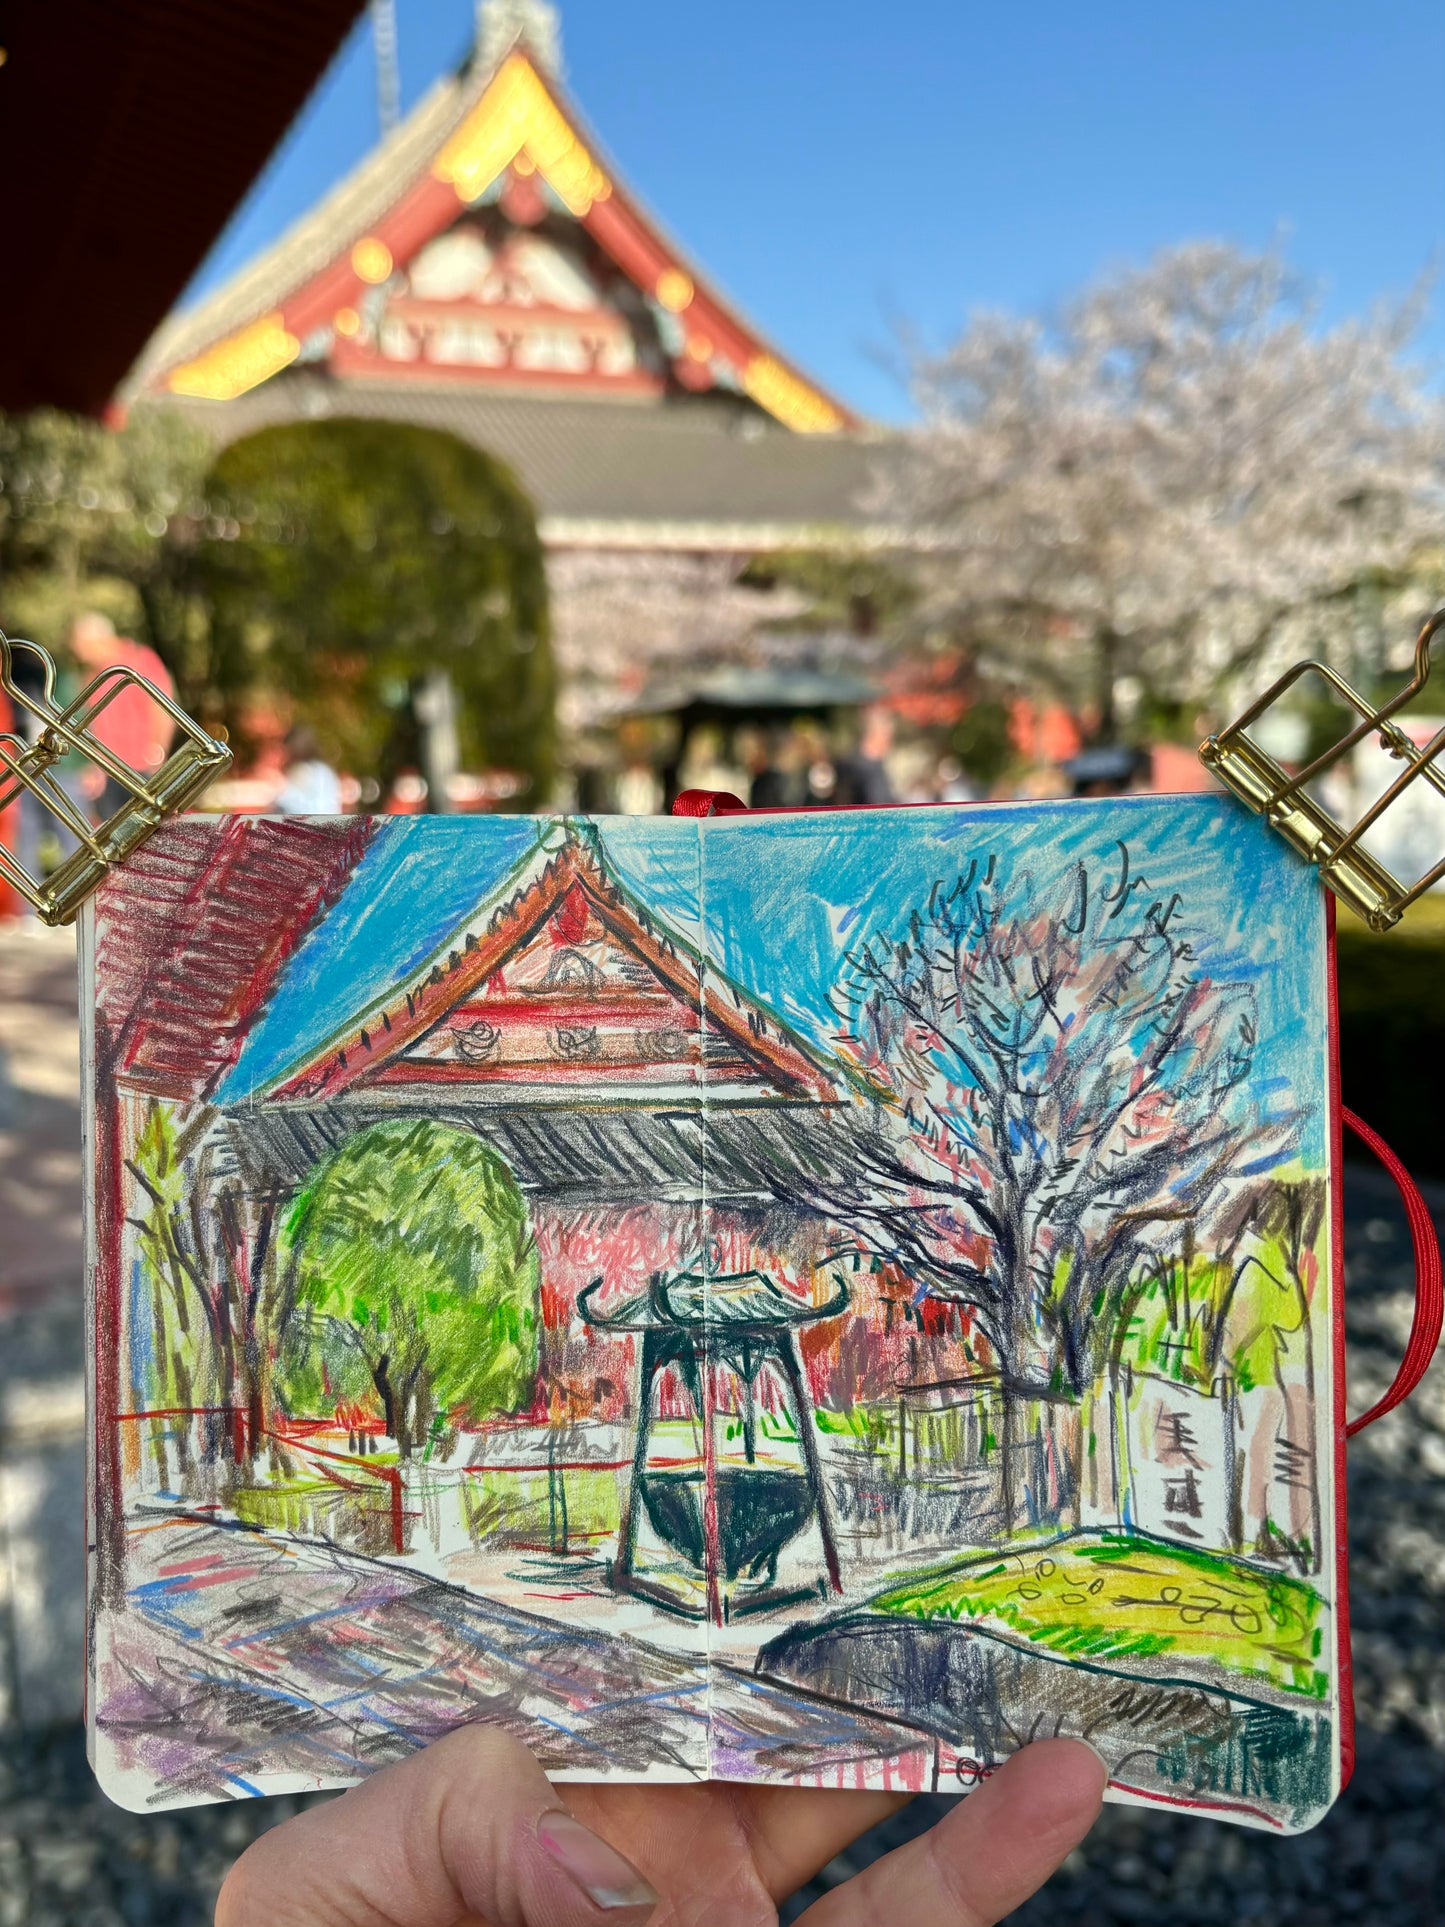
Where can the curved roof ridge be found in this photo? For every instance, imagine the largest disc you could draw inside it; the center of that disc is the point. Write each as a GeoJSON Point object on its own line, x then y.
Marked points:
{"type": "Point", "coordinates": [313, 238]}
{"type": "Point", "coordinates": [466, 134]}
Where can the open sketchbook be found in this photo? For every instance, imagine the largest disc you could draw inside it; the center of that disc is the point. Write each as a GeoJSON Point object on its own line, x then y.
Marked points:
{"type": "Point", "coordinates": [819, 1298]}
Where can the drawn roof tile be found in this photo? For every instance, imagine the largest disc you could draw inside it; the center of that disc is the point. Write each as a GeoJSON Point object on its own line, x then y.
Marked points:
{"type": "Point", "coordinates": [195, 930]}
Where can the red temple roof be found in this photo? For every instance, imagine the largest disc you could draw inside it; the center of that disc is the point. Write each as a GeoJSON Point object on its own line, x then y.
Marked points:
{"type": "Point", "coordinates": [487, 241]}
{"type": "Point", "coordinates": [560, 979]}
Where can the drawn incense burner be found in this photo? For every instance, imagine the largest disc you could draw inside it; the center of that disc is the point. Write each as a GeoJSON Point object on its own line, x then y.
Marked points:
{"type": "Point", "coordinates": [729, 1509]}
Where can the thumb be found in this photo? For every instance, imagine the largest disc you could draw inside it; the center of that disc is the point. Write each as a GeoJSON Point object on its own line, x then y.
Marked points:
{"type": "Point", "coordinates": [470, 1827]}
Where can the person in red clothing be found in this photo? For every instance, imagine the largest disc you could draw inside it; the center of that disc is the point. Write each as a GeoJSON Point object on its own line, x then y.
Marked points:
{"type": "Point", "coordinates": [132, 727]}
{"type": "Point", "coordinates": [12, 904]}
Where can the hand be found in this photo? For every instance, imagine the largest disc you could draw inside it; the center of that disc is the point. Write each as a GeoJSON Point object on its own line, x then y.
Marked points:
{"type": "Point", "coordinates": [471, 1833]}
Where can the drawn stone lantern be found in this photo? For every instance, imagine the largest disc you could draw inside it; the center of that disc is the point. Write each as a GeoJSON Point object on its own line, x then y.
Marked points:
{"type": "Point", "coordinates": [724, 1511]}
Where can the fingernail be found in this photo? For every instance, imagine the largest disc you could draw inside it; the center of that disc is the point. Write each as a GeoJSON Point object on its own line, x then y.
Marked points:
{"type": "Point", "coordinates": [599, 1870]}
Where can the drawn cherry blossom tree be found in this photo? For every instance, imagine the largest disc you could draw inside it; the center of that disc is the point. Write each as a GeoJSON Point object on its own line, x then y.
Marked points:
{"type": "Point", "coordinates": [1066, 1082]}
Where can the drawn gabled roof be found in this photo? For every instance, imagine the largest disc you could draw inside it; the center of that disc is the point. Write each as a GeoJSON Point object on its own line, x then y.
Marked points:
{"type": "Point", "coordinates": [372, 1042]}
{"type": "Point", "coordinates": [467, 134]}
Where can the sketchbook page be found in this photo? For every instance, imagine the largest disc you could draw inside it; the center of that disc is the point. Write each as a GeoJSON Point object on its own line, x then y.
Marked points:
{"type": "Point", "coordinates": [397, 1122]}
{"type": "Point", "coordinates": [1050, 1116]}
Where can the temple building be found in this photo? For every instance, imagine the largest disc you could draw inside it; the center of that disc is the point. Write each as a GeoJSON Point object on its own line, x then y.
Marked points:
{"type": "Point", "coordinates": [487, 271]}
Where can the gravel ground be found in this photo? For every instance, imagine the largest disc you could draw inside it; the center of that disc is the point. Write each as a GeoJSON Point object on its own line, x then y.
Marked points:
{"type": "Point", "coordinates": [70, 1859]}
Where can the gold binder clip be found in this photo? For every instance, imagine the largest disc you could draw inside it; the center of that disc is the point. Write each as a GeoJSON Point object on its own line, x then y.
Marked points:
{"type": "Point", "coordinates": [1356, 877]}
{"type": "Point", "coordinates": [196, 762]}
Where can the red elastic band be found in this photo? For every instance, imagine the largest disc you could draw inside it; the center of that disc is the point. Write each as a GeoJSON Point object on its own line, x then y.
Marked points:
{"type": "Point", "coordinates": [1429, 1280]}
{"type": "Point", "coordinates": [706, 803]}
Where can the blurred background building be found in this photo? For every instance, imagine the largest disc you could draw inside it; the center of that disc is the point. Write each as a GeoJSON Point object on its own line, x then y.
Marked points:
{"type": "Point", "coordinates": [487, 272]}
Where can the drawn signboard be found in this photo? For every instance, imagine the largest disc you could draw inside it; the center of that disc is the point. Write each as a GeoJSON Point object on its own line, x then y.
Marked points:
{"type": "Point", "coordinates": [815, 1298]}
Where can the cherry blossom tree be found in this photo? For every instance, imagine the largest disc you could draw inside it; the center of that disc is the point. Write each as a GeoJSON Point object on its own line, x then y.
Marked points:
{"type": "Point", "coordinates": [1181, 480]}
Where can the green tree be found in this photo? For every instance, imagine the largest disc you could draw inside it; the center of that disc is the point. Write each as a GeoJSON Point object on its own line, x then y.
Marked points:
{"type": "Point", "coordinates": [844, 588]}
{"type": "Point", "coordinates": [179, 1365]}
{"type": "Point", "coordinates": [1239, 1303]}
{"type": "Point", "coordinates": [95, 517]}
{"type": "Point", "coordinates": [415, 1276]}
{"type": "Point", "coordinates": [982, 742]}
{"type": "Point", "coordinates": [341, 561]}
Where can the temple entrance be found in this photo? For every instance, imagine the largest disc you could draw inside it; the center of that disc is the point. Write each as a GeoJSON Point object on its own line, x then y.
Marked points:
{"type": "Point", "coordinates": [415, 639]}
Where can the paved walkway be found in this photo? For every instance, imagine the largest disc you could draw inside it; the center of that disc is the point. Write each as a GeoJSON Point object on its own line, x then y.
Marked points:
{"type": "Point", "coordinates": [42, 1392]}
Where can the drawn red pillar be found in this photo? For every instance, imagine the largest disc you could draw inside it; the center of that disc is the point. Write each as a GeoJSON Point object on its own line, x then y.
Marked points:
{"type": "Point", "coordinates": [398, 1509]}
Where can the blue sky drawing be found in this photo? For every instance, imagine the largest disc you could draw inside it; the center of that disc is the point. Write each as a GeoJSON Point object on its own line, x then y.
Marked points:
{"type": "Point", "coordinates": [789, 896]}
{"type": "Point", "coordinates": [777, 902]}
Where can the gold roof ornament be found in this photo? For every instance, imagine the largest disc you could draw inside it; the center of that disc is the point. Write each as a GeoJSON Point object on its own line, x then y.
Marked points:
{"type": "Point", "coordinates": [517, 116]}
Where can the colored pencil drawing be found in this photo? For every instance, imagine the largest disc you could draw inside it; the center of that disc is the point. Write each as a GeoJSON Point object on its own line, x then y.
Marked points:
{"type": "Point", "coordinates": [804, 1298]}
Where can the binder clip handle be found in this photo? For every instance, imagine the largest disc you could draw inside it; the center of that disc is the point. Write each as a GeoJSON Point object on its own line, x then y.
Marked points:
{"type": "Point", "coordinates": [26, 768]}
{"type": "Point", "coordinates": [1283, 799]}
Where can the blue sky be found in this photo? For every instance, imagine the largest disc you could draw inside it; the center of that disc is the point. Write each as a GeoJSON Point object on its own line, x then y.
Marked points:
{"type": "Point", "coordinates": [783, 899]}
{"type": "Point", "coordinates": [841, 169]}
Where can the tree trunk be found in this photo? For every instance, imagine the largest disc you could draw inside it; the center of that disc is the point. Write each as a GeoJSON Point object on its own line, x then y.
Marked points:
{"type": "Point", "coordinates": [419, 1406]}
{"type": "Point", "coordinates": [1106, 670]}
{"type": "Point", "coordinates": [381, 1379]}
{"type": "Point", "coordinates": [225, 1337]}
{"type": "Point", "coordinates": [255, 1416]}
{"type": "Point", "coordinates": [158, 1452]}
{"type": "Point", "coordinates": [184, 1394]}
{"type": "Point", "coordinates": [1008, 1493]}
{"type": "Point", "coordinates": [1234, 1466]}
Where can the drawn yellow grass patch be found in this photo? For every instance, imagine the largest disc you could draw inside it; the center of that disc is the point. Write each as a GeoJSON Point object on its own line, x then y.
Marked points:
{"type": "Point", "coordinates": [1119, 1596]}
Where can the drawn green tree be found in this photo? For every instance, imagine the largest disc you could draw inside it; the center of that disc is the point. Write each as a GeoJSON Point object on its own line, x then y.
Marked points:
{"type": "Point", "coordinates": [1236, 1302]}
{"type": "Point", "coordinates": [208, 1255]}
{"type": "Point", "coordinates": [414, 1276]}
{"type": "Point", "coordinates": [179, 1365]}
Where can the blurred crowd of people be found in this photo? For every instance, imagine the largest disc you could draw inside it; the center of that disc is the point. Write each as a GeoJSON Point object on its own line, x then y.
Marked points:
{"type": "Point", "coordinates": [807, 763]}
{"type": "Point", "coordinates": [801, 762]}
